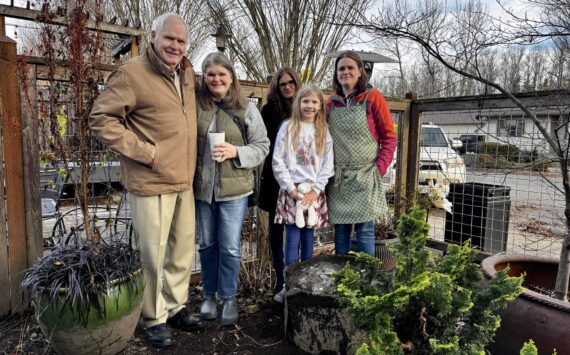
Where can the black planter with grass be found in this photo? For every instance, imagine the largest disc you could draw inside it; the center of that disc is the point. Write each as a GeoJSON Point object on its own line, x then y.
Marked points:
{"type": "Point", "coordinates": [87, 298]}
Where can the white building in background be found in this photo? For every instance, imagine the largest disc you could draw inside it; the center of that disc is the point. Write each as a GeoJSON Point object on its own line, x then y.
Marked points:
{"type": "Point", "coordinates": [505, 126]}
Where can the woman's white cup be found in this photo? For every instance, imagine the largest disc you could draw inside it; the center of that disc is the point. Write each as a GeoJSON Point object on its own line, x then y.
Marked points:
{"type": "Point", "coordinates": [216, 138]}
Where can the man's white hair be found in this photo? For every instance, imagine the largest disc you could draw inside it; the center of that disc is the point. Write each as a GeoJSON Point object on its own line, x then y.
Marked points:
{"type": "Point", "coordinates": [160, 21]}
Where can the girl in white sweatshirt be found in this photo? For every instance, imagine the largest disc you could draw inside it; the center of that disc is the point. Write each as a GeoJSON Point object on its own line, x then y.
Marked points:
{"type": "Point", "coordinates": [303, 153]}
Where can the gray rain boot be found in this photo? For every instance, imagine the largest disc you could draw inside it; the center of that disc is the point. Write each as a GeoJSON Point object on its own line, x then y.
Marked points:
{"type": "Point", "coordinates": [209, 310]}
{"type": "Point", "coordinates": [230, 313]}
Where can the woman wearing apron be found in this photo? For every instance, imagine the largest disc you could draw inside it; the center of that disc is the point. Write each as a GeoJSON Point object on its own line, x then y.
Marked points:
{"type": "Point", "coordinates": [364, 142]}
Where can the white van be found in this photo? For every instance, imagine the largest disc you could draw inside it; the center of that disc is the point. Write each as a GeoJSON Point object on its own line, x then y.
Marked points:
{"type": "Point", "coordinates": [439, 162]}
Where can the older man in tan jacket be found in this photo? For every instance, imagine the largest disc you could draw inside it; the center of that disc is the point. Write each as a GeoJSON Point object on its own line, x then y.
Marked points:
{"type": "Point", "coordinates": [147, 114]}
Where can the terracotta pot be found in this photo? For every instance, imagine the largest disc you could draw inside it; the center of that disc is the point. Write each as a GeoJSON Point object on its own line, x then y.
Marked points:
{"type": "Point", "coordinates": [532, 315]}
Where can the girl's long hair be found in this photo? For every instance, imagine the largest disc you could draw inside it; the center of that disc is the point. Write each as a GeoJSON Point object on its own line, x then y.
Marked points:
{"type": "Point", "coordinates": [321, 126]}
{"type": "Point", "coordinates": [233, 98]}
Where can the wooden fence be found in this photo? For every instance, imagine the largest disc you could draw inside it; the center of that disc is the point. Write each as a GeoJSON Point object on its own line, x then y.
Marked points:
{"type": "Point", "coordinates": [20, 235]}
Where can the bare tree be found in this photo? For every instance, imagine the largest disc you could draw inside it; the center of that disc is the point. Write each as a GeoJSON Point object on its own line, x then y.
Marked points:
{"type": "Point", "coordinates": [267, 35]}
{"type": "Point", "coordinates": [395, 48]}
{"type": "Point", "coordinates": [511, 65]}
{"type": "Point", "coordinates": [460, 42]}
{"type": "Point", "coordinates": [534, 69]}
{"type": "Point", "coordinates": [560, 59]}
{"type": "Point", "coordinates": [553, 22]}
{"type": "Point", "coordinates": [141, 13]}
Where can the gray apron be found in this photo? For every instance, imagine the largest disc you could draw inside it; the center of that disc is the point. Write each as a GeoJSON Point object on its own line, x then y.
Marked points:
{"type": "Point", "coordinates": [356, 194]}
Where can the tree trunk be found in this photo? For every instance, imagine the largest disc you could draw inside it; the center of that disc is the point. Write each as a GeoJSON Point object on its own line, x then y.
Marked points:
{"type": "Point", "coordinates": [561, 287]}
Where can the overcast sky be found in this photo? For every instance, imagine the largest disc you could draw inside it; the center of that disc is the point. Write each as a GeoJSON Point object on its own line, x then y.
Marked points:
{"type": "Point", "coordinates": [520, 7]}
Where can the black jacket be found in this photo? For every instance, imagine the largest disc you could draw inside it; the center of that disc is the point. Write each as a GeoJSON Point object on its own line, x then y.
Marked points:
{"type": "Point", "coordinates": [273, 117]}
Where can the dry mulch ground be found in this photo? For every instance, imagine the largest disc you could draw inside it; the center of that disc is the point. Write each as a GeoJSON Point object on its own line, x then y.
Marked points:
{"type": "Point", "coordinates": [259, 331]}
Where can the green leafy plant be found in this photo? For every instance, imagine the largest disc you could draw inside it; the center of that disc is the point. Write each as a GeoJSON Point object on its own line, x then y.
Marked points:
{"type": "Point", "coordinates": [429, 306]}
{"type": "Point", "coordinates": [530, 349]}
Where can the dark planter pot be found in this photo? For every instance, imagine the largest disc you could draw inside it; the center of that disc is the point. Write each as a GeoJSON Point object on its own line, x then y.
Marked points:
{"type": "Point", "coordinates": [104, 334]}
{"type": "Point", "coordinates": [315, 321]}
{"type": "Point", "coordinates": [382, 252]}
{"type": "Point", "coordinates": [532, 315]}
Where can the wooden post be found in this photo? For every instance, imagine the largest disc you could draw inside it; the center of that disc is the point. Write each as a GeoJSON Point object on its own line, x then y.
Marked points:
{"type": "Point", "coordinates": [401, 122]}
{"type": "Point", "coordinates": [2, 26]}
{"type": "Point", "coordinates": [402, 162]}
{"type": "Point", "coordinates": [13, 170]}
{"type": "Point", "coordinates": [4, 276]}
{"type": "Point", "coordinates": [31, 156]}
{"type": "Point", "coordinates": [134, 46]}
{"type": "Point", "coordinates": [414, 131]}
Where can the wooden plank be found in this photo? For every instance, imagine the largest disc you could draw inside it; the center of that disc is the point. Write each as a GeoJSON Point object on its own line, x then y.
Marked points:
{"type": "Point", "coordinates": [398, 105]}
{"type": "Point", "coordinates": [36, 16]}
{"type": "Point", "coordinates": [402, 163]}
{"type": "Point", "coordinates": [63, 63]}
{"type": "Point", "coordinates": [554, 98]}
{"type": "Point", "coordinates": [413, 156]}
{"type": "Point", "coordinates": [402, 106]}
{"type": "Point", "coordinates": [5, 305]}
{"type": "Point", "coordinates": [134, 47]}
{"type": "Point", "coordinates": [62, 71]}
{"type": "Point", "coordinates": [2, 26]}
{"type": "Point", "coordinates": [253, 90]}
{"type": "Point", "coordinates": [14, 172]}
{"type": "Point", "coordinates": [31, 156]}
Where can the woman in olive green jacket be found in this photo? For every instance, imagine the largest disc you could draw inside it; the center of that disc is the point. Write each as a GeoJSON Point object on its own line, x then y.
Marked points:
{"type": "Point", "coordinates": [224, 180]}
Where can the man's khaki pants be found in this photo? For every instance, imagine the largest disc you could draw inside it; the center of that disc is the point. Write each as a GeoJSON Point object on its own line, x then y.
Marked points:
{"type": "Point", "coordinates": [166, 229]}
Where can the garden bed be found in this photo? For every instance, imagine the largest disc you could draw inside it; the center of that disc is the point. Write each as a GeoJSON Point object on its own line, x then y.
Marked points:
{"type": "Point", "coordinates": [259, 331]}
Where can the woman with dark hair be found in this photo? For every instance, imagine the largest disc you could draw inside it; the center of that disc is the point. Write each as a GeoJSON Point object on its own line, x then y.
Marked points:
{"type": "Point", "coordinates": [282, 90]}
{"type": "Point", "coordinates": [364, 143]}
{"type": "Point", "coordinates": [224, 180]}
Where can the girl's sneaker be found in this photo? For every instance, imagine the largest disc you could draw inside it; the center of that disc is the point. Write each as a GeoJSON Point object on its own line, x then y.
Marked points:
{"type": "Point", "coordinates": [280, 296]}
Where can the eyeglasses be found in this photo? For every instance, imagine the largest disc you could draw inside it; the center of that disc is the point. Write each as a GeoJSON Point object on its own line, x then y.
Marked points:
{"type": "Point", "coordinates": [290, 82]}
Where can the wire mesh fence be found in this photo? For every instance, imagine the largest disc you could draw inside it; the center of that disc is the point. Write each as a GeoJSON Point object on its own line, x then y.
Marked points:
{"type": "Point", "coordinates": [501, 176]}
{"type": "Point", "coordinates": [492, 165]}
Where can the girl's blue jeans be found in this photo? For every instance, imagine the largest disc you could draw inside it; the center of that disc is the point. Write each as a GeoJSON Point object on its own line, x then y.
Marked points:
{"type": "Point", "coordinates": [295, 236]}
{"type": "Point", "coordinates": [364, 237]}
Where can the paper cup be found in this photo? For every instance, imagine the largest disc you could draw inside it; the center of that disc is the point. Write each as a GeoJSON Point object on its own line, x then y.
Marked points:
{"type": "Point", "coordinates": [216, 138]}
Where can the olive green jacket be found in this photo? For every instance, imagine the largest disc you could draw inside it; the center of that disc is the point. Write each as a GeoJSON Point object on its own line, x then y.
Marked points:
{"type": "Point", "coordinates": [232, 178]}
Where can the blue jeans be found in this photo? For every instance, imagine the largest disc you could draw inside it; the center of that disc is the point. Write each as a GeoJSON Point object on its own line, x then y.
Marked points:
{"type": "Point", "coordinates": [219, 225]}
{"type": "Point", "coordinates": [364, 237]}
{"type": "Point", "coordinates": [293, 235]}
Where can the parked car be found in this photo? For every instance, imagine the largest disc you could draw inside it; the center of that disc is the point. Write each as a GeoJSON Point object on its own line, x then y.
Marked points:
{"type": "Point", "coordinates": [439, 161]}
{"type": "Point", "coordinates": [471, 142]}
{"type": "Point", "coordinates": [103, 175]}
